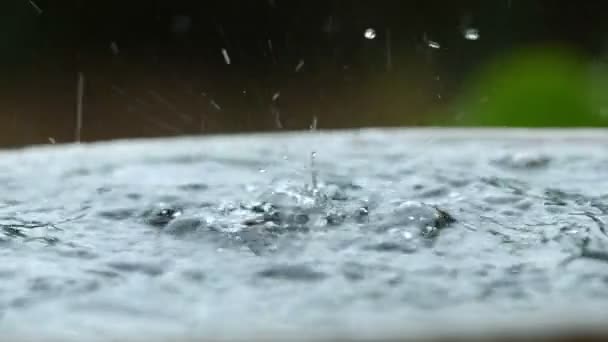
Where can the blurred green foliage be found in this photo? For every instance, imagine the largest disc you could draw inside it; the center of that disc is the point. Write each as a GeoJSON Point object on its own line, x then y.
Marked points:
{"type": "Point", "coordinates": [536, 88]}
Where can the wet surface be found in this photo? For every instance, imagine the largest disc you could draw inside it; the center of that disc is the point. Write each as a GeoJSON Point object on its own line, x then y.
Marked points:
{"type": "Point", "coordinates": [226, 236]}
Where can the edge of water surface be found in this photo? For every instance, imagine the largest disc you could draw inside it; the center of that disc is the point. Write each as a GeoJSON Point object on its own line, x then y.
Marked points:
{"type": "Point", "coordinates": [587, 134]}
{"type": "Point", "coordinates": [551, 325]}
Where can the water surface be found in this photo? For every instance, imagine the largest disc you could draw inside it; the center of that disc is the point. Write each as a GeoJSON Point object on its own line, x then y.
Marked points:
{"type": "Point", "coordinates": [407, 232]}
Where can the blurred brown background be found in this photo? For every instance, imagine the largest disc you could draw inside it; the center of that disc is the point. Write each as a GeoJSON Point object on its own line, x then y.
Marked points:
{"type": "Point", "coordinates": [154, 68]}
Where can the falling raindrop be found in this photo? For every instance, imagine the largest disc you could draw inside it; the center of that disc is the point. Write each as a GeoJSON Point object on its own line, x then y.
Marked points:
{"type": "Point", "coordinates": [433, 44]}
{"type": "Point", "coordinates": [300, 65]}
{"type": "Point", "coordinates": [226, 56]}
{"type": "Point", "coordinates": [114, 48]}
{"type": "Point", "coordinates": [79, 107]}
{"type": "Point", "coordinates": [276, 96]}
{"type": "Point", "coordinates": [52, 140]}
{"type": "Point", "coordinates": [215, 105]}
{"type": "Point", "coordinates": [262, 170]}
{"type": "Point", "coordinates": [313, 125]}
{"type": "Point", "coordinates": [369, 33]}
{"type": "Point", "coordinates": [36, 7]}
{"type": "Point", "coordinates": [471, 34]}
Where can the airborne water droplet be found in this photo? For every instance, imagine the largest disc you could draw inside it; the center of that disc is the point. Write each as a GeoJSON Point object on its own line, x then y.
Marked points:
{"type": "Point", "coordinates": [114, 48]}
{"type": "Point", "coordinates": [433, 44]}
{"type": "Point", "coordinates": [300, 65]}
{"type": "Point", "coordinates": [369, 33]}
{"type": "Point", "coordinates": [226, 56]}
{"type": "Point", "coordinates": [471, 34]}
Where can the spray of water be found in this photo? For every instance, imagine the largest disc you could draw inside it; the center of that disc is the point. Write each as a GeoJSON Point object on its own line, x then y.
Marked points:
{"type": "Point", "coordinates": [313, 156]}
{"type": "Point", "coordinates": [79, 107]}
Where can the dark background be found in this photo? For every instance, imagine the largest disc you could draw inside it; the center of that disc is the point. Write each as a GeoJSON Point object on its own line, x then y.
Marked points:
{"type": "Point", "coordinates": [156, 68]}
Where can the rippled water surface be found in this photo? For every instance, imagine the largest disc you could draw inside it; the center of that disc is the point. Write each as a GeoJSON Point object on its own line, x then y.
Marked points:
{"type": "Point", "coordinates": [227, 236]}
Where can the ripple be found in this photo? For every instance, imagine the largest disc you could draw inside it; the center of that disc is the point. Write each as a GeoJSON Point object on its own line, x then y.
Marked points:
{"type": "Point", "coordinates": [523, 161]}
{"type": "Point", "coordinates": [137, 267]}
{"type": "Point", "coordinates": [293, 273]}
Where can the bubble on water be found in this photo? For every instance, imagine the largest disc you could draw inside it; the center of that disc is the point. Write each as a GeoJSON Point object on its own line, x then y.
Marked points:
{"type": "Point", "coordinates": [471, 34]}
{"type": "Point", "coordinates": [369, 33]}
{"type": "Point", "coordinates": [433, 44]}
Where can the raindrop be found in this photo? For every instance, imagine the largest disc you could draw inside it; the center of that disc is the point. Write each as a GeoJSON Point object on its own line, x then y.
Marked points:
{"type": "Point", "coordinates": [215, 105]}
{"type": "Point", "coordinates": [276, 96]}
{"type": "Point", "coordinates": [471, 34]}
{"type": "Point", "coordinates": [79, 107]}
{"type": "Point", "coordinates": [433, 44]}
{"type": "Point", "coordinates": [114, 48]}
{"type": "Point", "coordinates": [52, 140]}
{"type": "Point", "coordinates": [369, 33]}
{"type": "Point", "coordinates": [226, 56]}
{"type": "Point", "coordinates": [262, 170]}
{"type": "Point", "coordinates": [300, 65]}
{"type": "Point", "coordinates": [36, 7]}
{"type": "Point", "coordinates": [313, 125]}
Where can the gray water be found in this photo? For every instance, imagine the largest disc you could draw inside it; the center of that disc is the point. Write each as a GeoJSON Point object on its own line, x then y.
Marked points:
{"type": "Point", "coordinates": [407, 232]}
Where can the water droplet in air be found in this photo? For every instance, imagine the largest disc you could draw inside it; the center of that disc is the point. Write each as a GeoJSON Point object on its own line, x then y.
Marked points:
{"type": "Point", "coordinates": [276, 96]}
{"type": "Point", "coordinates": [471, 34]}
{"type": "Point", "coordinates": [433, 44]}
{"type": "Point", "coordinates": [215, 105]}
{"type": "Point", "coordinates": [369, 33]}
{"type": "Point", "coordinates": [114, 48]}
{"type": "Point", "coordinates": [313, 125]}
{"type": "Point", "coordinates": [300, 65]}
{"type": "Point", "coordinates": [262, 170]}
{"type": "Point", "coordinates": [226, 56]}
{"type": "Point", "coordinates": [52, 140]}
